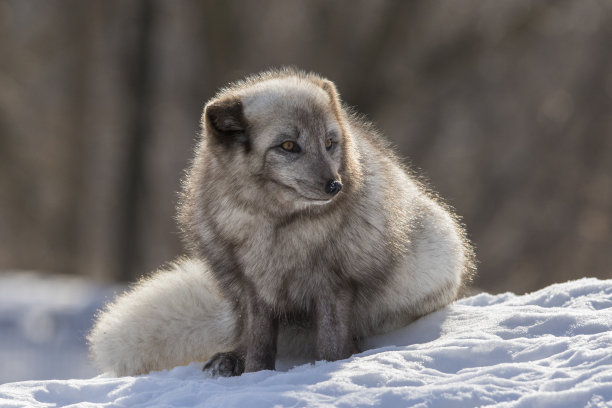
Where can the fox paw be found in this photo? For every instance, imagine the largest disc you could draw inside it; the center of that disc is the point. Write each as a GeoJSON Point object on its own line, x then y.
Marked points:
{"type": "Point", "coordinates": [224, 365]}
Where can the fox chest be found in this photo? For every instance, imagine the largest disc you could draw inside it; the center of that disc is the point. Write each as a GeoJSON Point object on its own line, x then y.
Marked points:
{"type": "Point", "coordinates": [292, 265]}
{"type": "Point", "coordinates": [286, 266]}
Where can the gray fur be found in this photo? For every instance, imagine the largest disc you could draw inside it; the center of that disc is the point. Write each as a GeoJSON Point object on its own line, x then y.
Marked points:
{"type": "Point", "coordinates": [292, 264]}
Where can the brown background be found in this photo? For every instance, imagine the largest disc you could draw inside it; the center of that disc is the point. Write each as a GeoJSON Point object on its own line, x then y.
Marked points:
{"type": "Point", "coordinates": [504, 106]}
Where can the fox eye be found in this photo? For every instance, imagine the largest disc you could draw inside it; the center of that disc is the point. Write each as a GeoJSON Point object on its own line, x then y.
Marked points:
{"type": "Point", "coordinates": [291, 147]}
{"type": "Point", "coordinates": [328, 143]}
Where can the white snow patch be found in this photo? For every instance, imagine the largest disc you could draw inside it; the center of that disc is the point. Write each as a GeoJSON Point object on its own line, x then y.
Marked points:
{"type": "Point", "coordinates": [550, 348]}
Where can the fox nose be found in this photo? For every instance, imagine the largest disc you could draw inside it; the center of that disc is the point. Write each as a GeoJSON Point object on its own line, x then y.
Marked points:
{"type": "Point", "coordinates": [333, 187]}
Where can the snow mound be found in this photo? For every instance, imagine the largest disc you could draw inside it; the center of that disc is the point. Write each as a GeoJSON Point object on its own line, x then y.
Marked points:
{"type": "Point", "coordinates": [550, 348]}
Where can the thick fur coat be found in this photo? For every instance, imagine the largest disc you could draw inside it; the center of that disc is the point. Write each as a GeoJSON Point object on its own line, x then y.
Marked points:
{"type": "Point", "coordinates": [306, 234]}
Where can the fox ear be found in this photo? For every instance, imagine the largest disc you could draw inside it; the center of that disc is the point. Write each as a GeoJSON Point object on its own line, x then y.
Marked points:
{"type": "Point", "coordinates": [225, 120]}
{"type": "Point", "coordinates": [330, 88]}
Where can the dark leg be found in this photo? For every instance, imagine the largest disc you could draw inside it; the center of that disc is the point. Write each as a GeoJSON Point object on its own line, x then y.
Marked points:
{"type": "Point", "coordinates": [261, 338]}
{"type": "Point", "coordinates": [333, 325]}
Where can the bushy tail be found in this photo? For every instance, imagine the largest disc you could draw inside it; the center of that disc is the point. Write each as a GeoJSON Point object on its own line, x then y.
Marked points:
{"type": "Point", "coordinates": [176, 316]}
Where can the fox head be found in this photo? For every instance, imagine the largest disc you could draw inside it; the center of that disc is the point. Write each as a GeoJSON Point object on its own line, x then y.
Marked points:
{"type": "Point", "coordinates": [285, 136]}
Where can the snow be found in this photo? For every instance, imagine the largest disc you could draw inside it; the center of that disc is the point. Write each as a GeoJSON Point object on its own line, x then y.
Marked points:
{"type": "Point", "coordinates": [550, 348]}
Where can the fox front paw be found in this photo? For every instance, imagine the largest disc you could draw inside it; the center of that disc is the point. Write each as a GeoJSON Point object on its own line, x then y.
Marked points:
{"type": "Point", "coordinates": [224, 365]}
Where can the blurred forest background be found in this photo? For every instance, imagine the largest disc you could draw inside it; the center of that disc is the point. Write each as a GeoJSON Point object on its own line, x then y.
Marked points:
{"type": "Point", "coordinates": [504, 106]}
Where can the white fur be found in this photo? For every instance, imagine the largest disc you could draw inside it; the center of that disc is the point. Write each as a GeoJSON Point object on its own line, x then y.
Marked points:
{"type": "Point", "coordinates": [176, 316]}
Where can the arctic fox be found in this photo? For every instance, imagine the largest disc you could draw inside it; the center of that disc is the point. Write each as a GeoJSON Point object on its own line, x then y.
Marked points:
{"type": "Point", "coordinates": [305, 233]}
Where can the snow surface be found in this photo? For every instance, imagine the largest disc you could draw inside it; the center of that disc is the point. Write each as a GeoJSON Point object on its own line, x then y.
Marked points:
{"type": "Point", "coordinates": [551, 348]}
